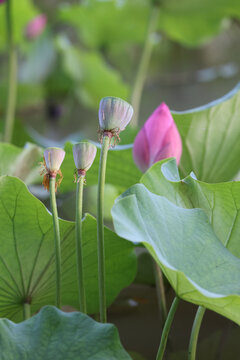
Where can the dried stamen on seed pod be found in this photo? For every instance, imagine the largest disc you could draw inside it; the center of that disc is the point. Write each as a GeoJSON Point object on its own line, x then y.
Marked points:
{"type": "Point", "coordinates": [114, 133]}
{"type": "Point", "coordinates": [81, 172]}
{"type": "Point", "coordinates": [77, 174]}
{"type": "Point", "coordinates": [47, 175]}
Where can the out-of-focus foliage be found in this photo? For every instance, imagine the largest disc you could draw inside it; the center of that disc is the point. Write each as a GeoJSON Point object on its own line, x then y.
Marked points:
{"type": "Point", "coordinates": [20, 134]}
{"type": "Point", "coordinates": [193, 22]}
{"type": "Point", "coordinates": [109, 23]}
{"type": "Point", "coordinates": [23, 11]}
{"type": "Point", "coordinates": [23, 163]}
{"type": "Point", "coordinates": [95, 45]}
{"type": "Point", "coordinates": [40, 60]}
{"type": "Point", "coordinates": [92, 77]}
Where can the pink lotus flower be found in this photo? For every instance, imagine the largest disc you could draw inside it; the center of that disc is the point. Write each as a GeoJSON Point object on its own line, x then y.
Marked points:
{"type": "Point", "coordinates": [36, 26]}
{"type": "Point", "coordinates": [158, 139]}
{"type": "Point", "coordinates": [2, 1]}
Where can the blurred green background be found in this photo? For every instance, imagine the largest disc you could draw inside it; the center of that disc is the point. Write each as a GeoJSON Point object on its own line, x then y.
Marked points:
{"type": "Point", "coordinates": [90, 49]}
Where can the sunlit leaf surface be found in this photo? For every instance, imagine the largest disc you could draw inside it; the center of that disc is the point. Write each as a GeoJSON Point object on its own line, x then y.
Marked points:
{"type": "Point", "coordinates": [27, 264]}
{"type": "Point", "coordinates": [183, 239]}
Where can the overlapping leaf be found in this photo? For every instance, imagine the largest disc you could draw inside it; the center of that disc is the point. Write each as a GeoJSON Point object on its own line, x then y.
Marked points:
{"type": "Point", "coordinates": [64, 336]}
{"type": "Point", "coordinates": [27, 267]}
{"type": "Point", "coordinates": [210, 136]}
{"type": "Point", "coordinates": [185, 241]}
{"type": "Point", "coordinates": [221, 202]}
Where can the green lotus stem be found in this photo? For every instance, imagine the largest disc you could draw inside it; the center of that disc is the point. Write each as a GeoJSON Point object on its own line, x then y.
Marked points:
{"type": "Point", "coordinates": [160, 292]}
{"type": "Point", "coordinates": [57, 240]}
{"type": "Point", "coordinates": [12, 77]}
{"type": "Point", "coordinates": [143, 65]}
{"type": "Point", "coordinates": [80, 274]}
{"type": "Point", "coordinates": [166, 328]}
{"type": "Point", "coordinates": [195, 332]}
{"type": "Point", "coordinates": [100, 228]}
{"type": "Point", "coordinates": [26, 311]}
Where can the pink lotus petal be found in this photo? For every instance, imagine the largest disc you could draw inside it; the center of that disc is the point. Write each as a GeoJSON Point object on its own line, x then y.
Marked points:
{"type": "Point", "coordinates": [140, 151]}
{"type": "Point", "coordinates": [36, 26]}
{"type": "Point", "coordinates": [2, 1]}
{"type": "Point", "coordinates": [158, 139]}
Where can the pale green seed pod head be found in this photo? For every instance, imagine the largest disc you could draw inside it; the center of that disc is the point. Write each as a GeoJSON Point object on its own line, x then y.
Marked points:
{"type": "Point", "coordinates": [84, 154]}
{"type": "Point", "coordinates": [114, 114]}
{"type": "Point", "coordinates": [53, 158]}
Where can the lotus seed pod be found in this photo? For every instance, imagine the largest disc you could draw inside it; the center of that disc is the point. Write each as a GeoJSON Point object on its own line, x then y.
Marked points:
{"type": "Point", "coordinates": [53, 158]}
{"type": "Point", "coordinates": [114, 114]}
{"type": "Point", "coordinates": [84, 154]}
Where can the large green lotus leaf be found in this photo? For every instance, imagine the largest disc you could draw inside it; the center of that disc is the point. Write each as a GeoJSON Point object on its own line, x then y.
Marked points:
{"type": "Point", "coordinates": [27, 266]}
{"type": "Point", "coordinates": [210, 135]}
{"type": "Point", "coordinates": [221, 202]}
{"type": "Point", "coordinates": [22, 12]}
{"type": "Point", "coordinates": [182, 241]}
{"type": "Point", "coordinates": [65, 336]}
{"type": "Point", "coordinates": [23, 163]}
{"type": "Point", "coordinates": [121, 170]}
